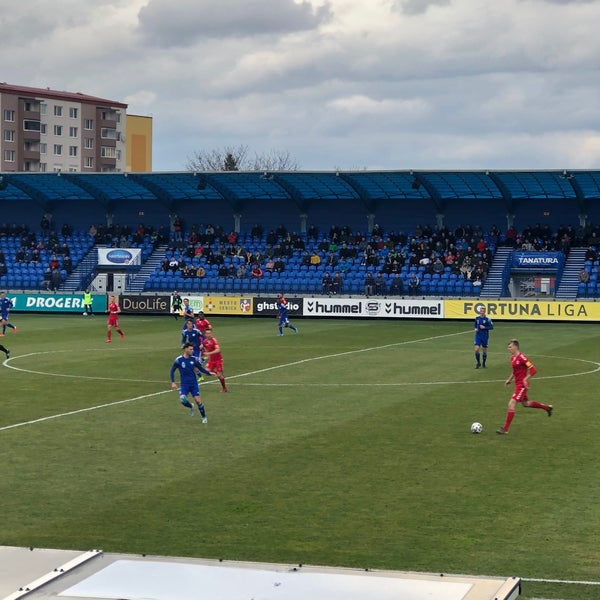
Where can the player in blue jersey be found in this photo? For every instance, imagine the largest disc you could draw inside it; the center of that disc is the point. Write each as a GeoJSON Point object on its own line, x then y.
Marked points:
{"type": "Point", "coordinates": [188, 365]}
{"type": "Point", "coordinates": [483, 326]}
{"type": "Point", "coordinates": [188, 311]}
{"type": "Point", "coordinates": [5, 306]}
{"type": "Point", "coordinates": [193, 336]}
{"type": "Point", "coordinates": [282, 312]}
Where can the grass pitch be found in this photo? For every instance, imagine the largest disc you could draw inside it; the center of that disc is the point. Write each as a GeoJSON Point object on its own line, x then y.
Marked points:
{"type": "Point", "coordinates": [348, 444]}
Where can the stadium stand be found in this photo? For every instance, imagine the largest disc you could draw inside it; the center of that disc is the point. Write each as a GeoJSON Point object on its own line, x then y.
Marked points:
{"type": "Point", "coordinates": [403, 202]}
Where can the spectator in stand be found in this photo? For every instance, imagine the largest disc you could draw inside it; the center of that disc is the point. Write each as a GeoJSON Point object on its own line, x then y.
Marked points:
{"type": "Point", "coordinates": [189, 272]}
{"type": "Point", "coordinates": [312, 233]}
{"type": "Point", "coordinates": [380, 285]}
{"type": "Point", "coordinates": [270, 265]}
{"type": "Point", "coordinates": [315, 260]}
{"type": "Point", "coordinates": [200, 272]}
{"type": "Point", "coordinates": [327, 284]}
{"type": "Point", "coordinates": [271, 238]}
{"type": "Point", "coordinates": [344, 266]}
{"type": "Point", "coordinates": [242, 272]}
{"type": "Point", "coordinates": [232, 238]}
{"type": "Point", "coordinates": [231, 270]}
{"type": "Point", "coordinates": [55, 279]}
{"type": "Point", "coordinates": [347, 251]}
{"type": "Point", "coordinates": [249, 258]}
{"type": "Point", "coordinates": [511, 237]}
{"type": "Point", "coordinates": [281, 231]}
{"type": "Point", "coordinates": [256, 271]}
{"type": "Point", "coordinates": [279, 265]}
{"type": "Point", "coordinates": [369, 284]}
{"type": "Point", "coordinates": [414, 285]}
{"type": "Point", "coordinates": [323, 245]}
{"type": "Point", "coordinates": [590, 253]}
{"type": "Point", "coordinates": [305, 259]}
{"type": "Point", "coordinates": [54, 263]}
{"type": "Point", "coordinates": [223, 271]}
{"type": "Point", "coordinates": [397, 286]}
{"type": "Point", "coordinates": [259, 257]}
{"type": "Point", "coordinates": [47, 280]}
{"type": "Point", "coordinates": [67, 264]}
{"type": "Point", "coordinates": [437, 266]}
{"type": "Point", "coordinates": [3, 268]}
{"type": "Point", "coordinates": [337, 284]}
{"type": "Point", "coordinates": [332, 261]}
{"type": "Point", "coordinates": [584, 276]}
{"type": "Point", "coordinates": [256, 232]}
{"type": "Point", "coordinates": [297, 241]}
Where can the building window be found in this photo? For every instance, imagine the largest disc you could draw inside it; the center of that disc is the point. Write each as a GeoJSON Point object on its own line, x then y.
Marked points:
{"type": "Point", "coordinates": [108, 152]}
{"type": "Point", "coordinates": [43, 147]}
{"type": "Point", "coordinates": [72, 150]}
{"type": "Point", "coordinates": [73, 112]}
{"type": "Point", "coordinates": [88, 143]}
{"type": "Point", "coordinates": [9, 115]}
{"type": "Point", "coordinates": [88, 123]}
{"type": "Point", "coordinates": [58, 130]}
{"type": "Point", "coordinates": [9, 135]}
{"type": "Point", "coordinates": [89, 162]}
{"type": "Point", "coordinates": [43, 108]}
{"type": "Point", "coordinates": [43, 167]}
{"type": "Point", "coordinates": [73, 169]}
{"type": "Point", "coordinates": [73, 131]}
{"type": "Point", "coordinates": [58, 110]}
{"type": "Point", "coordinates": [57, 149]}
{"type": "Point", "coordinates": [31, 125]}
{"type": "Point", "coordinates": [107, 133]}
{"type": "Point", "coordinates": [57, 169]}
{"type": "Point", "coordinates": [9, 155]}
{"type": "Point", "coordinates": [43, 128]}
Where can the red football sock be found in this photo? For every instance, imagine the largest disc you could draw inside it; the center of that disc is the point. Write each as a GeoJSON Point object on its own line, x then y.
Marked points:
{"type": "Point", "coordinates": [222, 380]}
{"type": "Point", "coordinates": [534, 404]}
{"type": "Point", "coordinates": [509, 417]}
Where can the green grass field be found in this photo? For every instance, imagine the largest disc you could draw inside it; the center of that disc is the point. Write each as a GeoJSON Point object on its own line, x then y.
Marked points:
{"type": "Point", "coordinates": [347, 444]}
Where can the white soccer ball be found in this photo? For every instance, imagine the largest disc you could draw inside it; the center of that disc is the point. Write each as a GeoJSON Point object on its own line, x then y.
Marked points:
{"type": "Point", "coordinates": [84, 314]}
{"type": "Point", "coordinates": [476, 427]}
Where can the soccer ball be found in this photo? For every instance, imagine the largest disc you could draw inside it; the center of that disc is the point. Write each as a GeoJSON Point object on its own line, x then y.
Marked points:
{"type": "Point", "coordinates": [476, 427]}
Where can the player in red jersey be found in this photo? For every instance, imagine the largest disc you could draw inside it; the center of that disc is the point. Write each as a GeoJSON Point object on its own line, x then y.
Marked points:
{"type": "Point", "coordinates": [113, 311]}
{"type": "Point", "coordinates": [522, 370]}
{"type": "Point", "coordinates": [202, 323]}
{"type": "Point", "coordinates": [212, 351]}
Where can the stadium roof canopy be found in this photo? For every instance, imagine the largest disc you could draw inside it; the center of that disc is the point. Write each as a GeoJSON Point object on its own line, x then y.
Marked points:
{"type": "Point", "coordinates": [302, 187]}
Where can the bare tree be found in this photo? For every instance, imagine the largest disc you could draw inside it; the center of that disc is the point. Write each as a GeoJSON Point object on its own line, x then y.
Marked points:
{"type": "Point", "coordinates": [231, 158]}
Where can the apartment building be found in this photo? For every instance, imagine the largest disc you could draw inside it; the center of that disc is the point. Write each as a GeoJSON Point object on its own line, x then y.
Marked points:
{"type": "Point", "coordinates": [44, 130]}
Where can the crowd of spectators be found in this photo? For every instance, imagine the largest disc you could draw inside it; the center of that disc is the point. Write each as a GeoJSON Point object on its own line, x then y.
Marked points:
{"type": "Point", "coordinates": [46, 251]}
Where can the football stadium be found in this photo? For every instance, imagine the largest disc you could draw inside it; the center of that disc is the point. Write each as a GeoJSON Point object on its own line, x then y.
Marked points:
{"type": "Point", "coordinates": [349, 446]}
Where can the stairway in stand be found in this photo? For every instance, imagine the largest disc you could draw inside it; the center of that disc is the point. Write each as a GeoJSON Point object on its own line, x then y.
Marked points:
{"type": "Point", "coordinates": [569, 282]}
{"type": "Point", "coordinates": [494, 284]}
{"type": "Point", "coordinates": [137, 281]}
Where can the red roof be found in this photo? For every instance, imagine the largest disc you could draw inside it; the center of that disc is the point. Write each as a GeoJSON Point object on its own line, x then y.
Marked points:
{"type": "Point", "coordinates": [55, 94]}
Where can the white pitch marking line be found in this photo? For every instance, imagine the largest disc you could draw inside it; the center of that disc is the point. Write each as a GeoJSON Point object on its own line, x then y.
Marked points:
{"type": "Point", "coordinates": [267, 369]}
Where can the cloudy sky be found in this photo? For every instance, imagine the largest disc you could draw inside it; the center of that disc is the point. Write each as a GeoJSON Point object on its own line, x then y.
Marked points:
{"type": "Point", "coordinates": [348, 84]}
